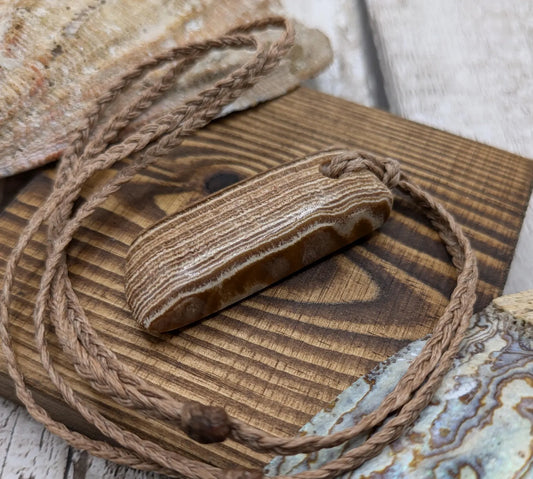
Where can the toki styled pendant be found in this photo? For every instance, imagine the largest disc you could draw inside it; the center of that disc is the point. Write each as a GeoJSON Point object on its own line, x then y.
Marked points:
{"type": "Point", "coordinates": [246, 237]}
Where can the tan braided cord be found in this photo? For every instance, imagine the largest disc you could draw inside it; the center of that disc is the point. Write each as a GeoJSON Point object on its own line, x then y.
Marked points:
{"type": "Point", "coordinates": [98, 146]}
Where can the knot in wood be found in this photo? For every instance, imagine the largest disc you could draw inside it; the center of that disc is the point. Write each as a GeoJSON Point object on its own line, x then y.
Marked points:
{"type": "Point", "coordinates": [205, 424]}
{"type": "Point", "coordinates": [386, 169]}
{"type": "Point", "coordinates": [243, 474]}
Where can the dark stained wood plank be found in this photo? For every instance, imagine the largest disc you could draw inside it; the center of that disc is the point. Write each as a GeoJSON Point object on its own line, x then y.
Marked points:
{"type": "Point", "coordinates": [278, 357]}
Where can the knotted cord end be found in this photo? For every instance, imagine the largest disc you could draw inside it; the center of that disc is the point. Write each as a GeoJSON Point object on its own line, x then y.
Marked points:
{"type": "Point", "coordinates": [205, 424]}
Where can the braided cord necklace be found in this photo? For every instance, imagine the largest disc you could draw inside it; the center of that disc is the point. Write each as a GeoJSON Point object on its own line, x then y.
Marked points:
{"type": "Point", "coordinates": [95, 148]}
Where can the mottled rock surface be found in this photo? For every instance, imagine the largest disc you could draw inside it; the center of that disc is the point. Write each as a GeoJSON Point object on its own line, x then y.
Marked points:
{"type": "Point", "coordinates": [56, 58]}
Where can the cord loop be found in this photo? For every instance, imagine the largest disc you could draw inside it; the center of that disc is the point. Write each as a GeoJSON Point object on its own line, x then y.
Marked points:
{"type": "Point", "coordinates": [57, 302]}
{"type": "Point", "coordinates": [386, 169]}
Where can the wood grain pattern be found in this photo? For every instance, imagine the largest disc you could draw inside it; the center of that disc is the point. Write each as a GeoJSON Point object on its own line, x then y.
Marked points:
{"type": "Point", "coordinates": [246, 238]}
{"type": "Point", "coordinates": [289, 350]}
{"type": "Point", "coordinates": [470, 75]}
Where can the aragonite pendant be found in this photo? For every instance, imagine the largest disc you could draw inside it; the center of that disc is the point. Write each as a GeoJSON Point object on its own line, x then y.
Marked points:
{"type": "Point", "coordinates": [246, 237]}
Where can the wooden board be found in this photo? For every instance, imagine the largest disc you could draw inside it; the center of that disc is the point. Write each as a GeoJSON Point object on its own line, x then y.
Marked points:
{"type": "Point", "coordinates": [291, 349]}
{"type": "Point", "coordinates": [464, 66]}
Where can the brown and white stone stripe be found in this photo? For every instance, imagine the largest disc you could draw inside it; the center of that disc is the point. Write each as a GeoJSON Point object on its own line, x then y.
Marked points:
{"type": "Point", "coordinates": [246, 237]}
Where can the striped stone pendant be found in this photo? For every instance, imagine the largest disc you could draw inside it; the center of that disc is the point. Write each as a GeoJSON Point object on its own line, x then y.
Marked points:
{"type": "Point", "coordinates": [246, 237]}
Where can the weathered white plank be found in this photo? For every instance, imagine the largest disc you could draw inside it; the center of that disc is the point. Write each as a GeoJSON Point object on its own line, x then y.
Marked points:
{"type": "Point", "coordinates": [85, 466]}
{"type": "Point", "coordinates": [521, 273]}
{"type": "Point", "coordinates": [464, 66]}
{"type": "Point", "coordinates": [461, 65]}
{"type": "Point", "coordinates": [351, 74]}
{"type": "Point", "coordinates": [28, 450]}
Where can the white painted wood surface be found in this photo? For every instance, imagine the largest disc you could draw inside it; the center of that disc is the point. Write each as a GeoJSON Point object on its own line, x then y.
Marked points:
{"type": "Point", "coordinates": [460, 65]}
{"type": "Point", "coordinates": [27, 448]}
{"type": "Point", "coordinates": [351, 75]}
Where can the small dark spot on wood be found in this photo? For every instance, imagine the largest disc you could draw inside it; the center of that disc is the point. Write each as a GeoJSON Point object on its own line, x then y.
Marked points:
{"type": "Point", "coordinates": [220, 180]}
{"type": "Point", "coordinates": [57, 50]}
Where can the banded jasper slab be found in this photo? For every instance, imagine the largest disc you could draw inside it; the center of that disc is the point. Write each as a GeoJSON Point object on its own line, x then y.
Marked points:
{"type": "Point", "coordinates": [247, 237]}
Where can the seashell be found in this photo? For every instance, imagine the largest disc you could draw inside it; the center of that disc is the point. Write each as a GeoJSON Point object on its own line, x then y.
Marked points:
{"type": "Point", "coordinates": [57, 57]}
{"type": "Point", "coordinates": [478, 423]}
